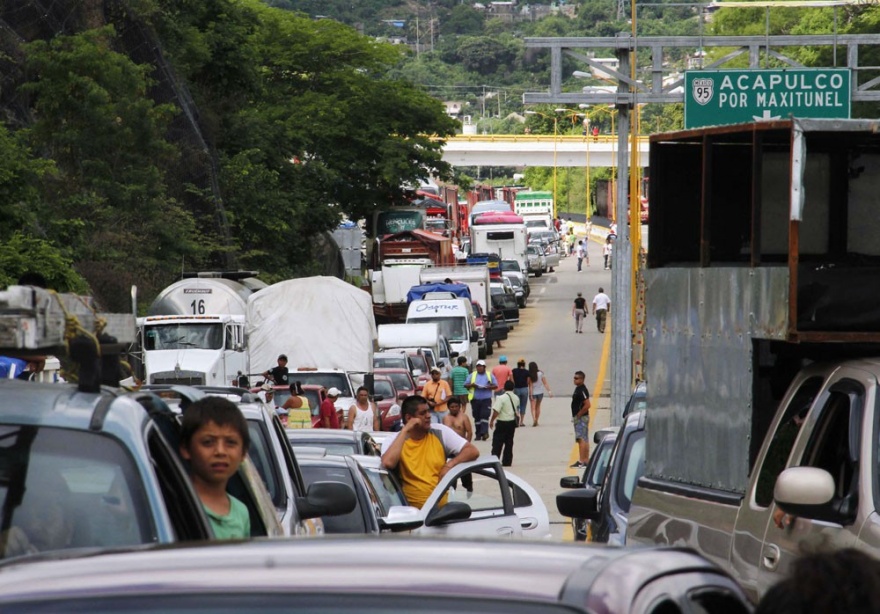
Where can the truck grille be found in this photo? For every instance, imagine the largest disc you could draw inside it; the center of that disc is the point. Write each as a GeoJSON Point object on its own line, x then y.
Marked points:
{"type": "Point", "coordinates": [187, 378]}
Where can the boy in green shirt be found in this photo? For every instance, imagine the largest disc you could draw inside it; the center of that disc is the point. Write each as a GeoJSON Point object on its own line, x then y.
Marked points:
{"type": "Point", "coordinates": [214, 439]}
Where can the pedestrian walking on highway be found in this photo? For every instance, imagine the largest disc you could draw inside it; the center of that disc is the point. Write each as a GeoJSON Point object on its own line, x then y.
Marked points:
{"type": "Point", "coordinates": [606, 251]}
{"type": "Point", "coordinates": [538, 387]}
{"type": "Point", "coordinates": [504, 422]}
{"type": "Point", "coordinates": [363, 415]}
{"type": "Point", "coordinates": [580, 418]}
{"type": "Point", "coordinates": [579, 252]}
{"type": "Point", "coordinates": [601, 307]}
{"type": "Point", "coordinates": [438, 393]}
{"type": "Point", "coordinates": [521, 388]}
{"type": "Point", "coordinates": [579, 312]}
{"type": "Point", "coordinates": [458, 376]}
{"type": "Point", "coordinates": [502, 375]}
{"type": "Point", "coordinates": [480, 385]}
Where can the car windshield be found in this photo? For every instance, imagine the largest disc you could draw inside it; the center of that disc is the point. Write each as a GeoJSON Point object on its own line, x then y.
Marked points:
{"type": "Point", "coordinates": [383, 387]}
{"type": "Point", "coordinates": [327, 380]}
{"type": "Point", "coordinates": [510, 265]}
{"type": "Point", "coordinates": [184, 337]}
{"type": "Point", "coordinates": [338, 448]}
{"type": "Point", "coordinates": [353, 522]}
{"type": "Point", "coordinates": [419, 362]}
{"type": "Point", "coordinates": [386, 488]}
{"type": "Point", "coordinates": [401, 380]}
{"type": "Point", "coordinates": [454, 329]}
{"type": "Point", "coordinates": [62, 489]}
{"type": "Point", "coordinates": [390, 362]}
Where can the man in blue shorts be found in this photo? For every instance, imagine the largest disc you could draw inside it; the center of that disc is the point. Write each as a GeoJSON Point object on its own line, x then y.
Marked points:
{"type": "Point", "coordinates": [580, 418]}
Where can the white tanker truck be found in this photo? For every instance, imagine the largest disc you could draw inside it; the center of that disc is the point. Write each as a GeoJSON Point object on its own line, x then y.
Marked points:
{"type": "Point", "coordinates": [194, 332]}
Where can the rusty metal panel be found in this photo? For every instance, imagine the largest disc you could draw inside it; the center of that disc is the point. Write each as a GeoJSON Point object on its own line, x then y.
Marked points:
{"type": "Point", "coordinates": [698, 356]}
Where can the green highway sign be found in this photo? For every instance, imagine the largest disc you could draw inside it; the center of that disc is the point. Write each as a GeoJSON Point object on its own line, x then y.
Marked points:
{"type": "Point", "coordinates": [721, 97]}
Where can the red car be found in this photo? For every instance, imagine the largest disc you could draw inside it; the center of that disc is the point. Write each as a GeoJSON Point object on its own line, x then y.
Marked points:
{"type": "Point", "coordinates": [402, 380]}
{"type": "Point", "coordinates": [383, 386]}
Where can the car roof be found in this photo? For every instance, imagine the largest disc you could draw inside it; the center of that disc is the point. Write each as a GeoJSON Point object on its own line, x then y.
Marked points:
{"type": "Point", "coordinates": [410, 567]}
{"type": "Point", "coordinates": [324, 434]}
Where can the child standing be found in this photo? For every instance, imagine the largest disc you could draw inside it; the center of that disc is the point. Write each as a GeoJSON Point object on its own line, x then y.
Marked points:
{"type": "Point", "coordinates": [214, 440]}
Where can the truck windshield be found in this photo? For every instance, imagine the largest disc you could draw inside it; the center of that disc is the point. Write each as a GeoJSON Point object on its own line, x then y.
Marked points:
{"type": "Point", "coordinates": [454, 329]}
{"type": "Point", "coordinates": [68, 489]}
{"type": "Point", "coordinates": [327, 380]}
{"type": "Point", "coordinates": [184, 337]}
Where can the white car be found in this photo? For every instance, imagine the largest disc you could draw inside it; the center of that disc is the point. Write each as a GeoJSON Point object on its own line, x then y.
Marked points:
{"type": "Point", "coordinates": [501, 505]}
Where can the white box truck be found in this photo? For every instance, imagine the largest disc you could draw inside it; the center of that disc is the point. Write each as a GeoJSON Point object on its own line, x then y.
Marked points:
{"type": "Point", "coordinates": [324, 325]}
{"type": "Point", "coordinates": [455, 319]}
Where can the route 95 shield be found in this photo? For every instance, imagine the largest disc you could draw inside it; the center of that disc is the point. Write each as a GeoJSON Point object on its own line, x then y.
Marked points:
{"type": "Point", "coordinates": [703, 90]}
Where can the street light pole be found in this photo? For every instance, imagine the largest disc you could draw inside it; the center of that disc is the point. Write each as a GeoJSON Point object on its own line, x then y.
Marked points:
{"type": "Point", "coordinates": [555, 141]}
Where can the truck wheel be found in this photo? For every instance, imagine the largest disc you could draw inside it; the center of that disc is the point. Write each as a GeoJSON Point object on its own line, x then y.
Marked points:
{"type": "Point", "coordinates": [538, 273]}
{"type": "Point", "coordinates": [490, 349]}
{"type": "Point", "coordinates": [481, 353]}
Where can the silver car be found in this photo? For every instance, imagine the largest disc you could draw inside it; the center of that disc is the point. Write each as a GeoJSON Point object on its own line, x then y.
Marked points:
{"type": "Point", "coordinates": [372, 575]}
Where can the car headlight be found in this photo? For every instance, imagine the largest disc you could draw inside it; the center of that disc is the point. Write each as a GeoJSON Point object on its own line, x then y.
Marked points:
{"type": "Point", "coordinates": [394, 411]}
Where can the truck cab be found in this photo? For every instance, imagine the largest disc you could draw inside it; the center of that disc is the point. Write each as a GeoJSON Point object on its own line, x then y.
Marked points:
{"type": "Point", "coordinates": [206, 350]}
{"type": "Point", "coordinates": [455, 320]}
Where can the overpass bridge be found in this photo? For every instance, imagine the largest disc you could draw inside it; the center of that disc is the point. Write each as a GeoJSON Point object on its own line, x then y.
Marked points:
{"type": "Point", "coordinates": [536, 150]}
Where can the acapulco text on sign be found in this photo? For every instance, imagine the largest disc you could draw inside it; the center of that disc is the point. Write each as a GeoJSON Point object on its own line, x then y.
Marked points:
{"type": "Point", "coordinates": [736, 96]}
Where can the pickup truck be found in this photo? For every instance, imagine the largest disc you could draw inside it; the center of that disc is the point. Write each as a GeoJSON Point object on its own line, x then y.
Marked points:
{"type": "Point", "coordinates": [762, 345]}
{"type": "Point", "coordinates": [813, 484]}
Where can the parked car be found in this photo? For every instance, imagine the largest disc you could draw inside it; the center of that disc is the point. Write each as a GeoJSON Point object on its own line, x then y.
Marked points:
{"type": "Point", "coordinates": [390, 574]}
{"type": "Point", "coordinates": [389, 405]}
{"type": "Point", "coordinates": [512, 270]}
{"type": "Point", "coordinates": [536, 258]}
{"type": "Point", "coordinates": [501, 504]}
{"type": "Point", "coordinates": [551, 250]}
{"type": "Point", "coordinates": [401, 378]}
{"type": "Point", "coordinates": [637, 400]}
{"type": "Point", "coordinates": [607, 507]}
{"type": "Point", "coordinates": [334, 441]}
{"type": "Point", "coordinates": [592, 477]}
{"type": "Point", "coordinates": [377, 510]}
{"type": "Point", "coordinates": [504, 301]}
{"type": "Point", "coordinates": [396, 359]}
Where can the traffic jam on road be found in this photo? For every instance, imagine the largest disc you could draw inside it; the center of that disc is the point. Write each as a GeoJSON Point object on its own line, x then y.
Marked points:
{"type": "Point", "coordinates": [354, 441]}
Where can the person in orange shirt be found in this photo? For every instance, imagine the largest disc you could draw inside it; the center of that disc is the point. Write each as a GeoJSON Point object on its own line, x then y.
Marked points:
{"type": "Point", "coordinates": [502, 374]}
{"type": "Point", "coordinates": [438, 393]}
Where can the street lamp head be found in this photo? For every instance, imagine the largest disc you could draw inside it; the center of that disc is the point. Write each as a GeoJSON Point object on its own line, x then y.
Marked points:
{"type": "Point", "coordinates": [582, 75]}
{"type": "Point", "coordinates": [560, 110]}
{"type": "Point", "coordinates": [582, 106]}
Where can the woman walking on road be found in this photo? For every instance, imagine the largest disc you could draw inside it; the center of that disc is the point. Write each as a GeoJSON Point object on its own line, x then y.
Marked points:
{"type": "Point", "coordinates": [538, 387]}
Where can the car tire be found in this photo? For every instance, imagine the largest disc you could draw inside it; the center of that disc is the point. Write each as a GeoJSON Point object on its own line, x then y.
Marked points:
{"type": "Point", "coordinates": [481, 353]}
{"type": "Point", "coordinates": [538, 273]}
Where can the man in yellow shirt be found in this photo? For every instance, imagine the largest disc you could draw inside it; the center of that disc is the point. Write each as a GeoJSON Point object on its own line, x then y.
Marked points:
{"type": "Point", "coordinates": [424, 452]}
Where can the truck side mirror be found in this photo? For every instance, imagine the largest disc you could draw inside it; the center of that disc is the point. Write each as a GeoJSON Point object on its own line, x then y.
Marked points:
{"type": "Point", "coordinates": [475, 336]}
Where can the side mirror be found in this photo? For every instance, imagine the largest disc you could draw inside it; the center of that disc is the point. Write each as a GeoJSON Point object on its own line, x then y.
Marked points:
{"type": "Point", "coordinates": [582, 503]}
{"type": "Point", "coordinates": [326, 499]}
{"type": "Point", "coordinates": [809, 492]}
{"type": "Point", "coordinates": [475, 336]}
{"type": "Point", "coordinates": [570, 481]}
{"type": "Point", "coordinates": [378, 397]}
{"type": "Point", "coordinates": [451, 512]}
{"type": "Point", "coordinates": [401, 518]}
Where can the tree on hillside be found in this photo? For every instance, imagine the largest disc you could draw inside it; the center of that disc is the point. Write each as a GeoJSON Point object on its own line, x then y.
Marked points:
{"type": "Point", "coordinates": [463, 20]}
{"type": "Point", "coordinates": [106, 202]}
{"type": "Point", "coordinates": [321, 132]}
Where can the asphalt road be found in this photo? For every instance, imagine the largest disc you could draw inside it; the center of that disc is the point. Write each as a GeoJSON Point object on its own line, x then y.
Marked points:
{"type": "Point", "coordinates": [542, 455]}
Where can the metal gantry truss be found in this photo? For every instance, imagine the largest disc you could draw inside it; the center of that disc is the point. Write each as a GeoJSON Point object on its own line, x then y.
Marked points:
{"type": "Point", "coordinates": [659, 88]}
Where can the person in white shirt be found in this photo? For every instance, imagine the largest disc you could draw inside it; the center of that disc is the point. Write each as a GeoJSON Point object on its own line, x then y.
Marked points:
{"type": "Point", "coordinates": [601, 306]}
